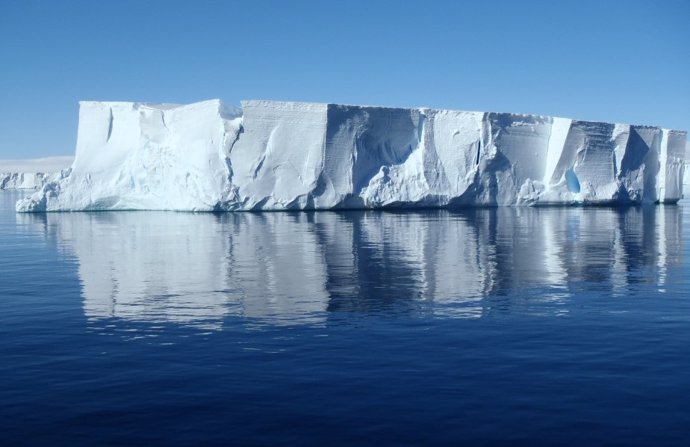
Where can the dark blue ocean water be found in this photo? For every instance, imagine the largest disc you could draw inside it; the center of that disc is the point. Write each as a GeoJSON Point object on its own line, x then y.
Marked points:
{"type": "Point", "coordinates": [484, 327]}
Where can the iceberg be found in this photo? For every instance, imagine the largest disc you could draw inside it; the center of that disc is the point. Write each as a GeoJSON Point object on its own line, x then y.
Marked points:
{"type": "Point", "coordinates": [272, 155]}
{"type": "Point", "coordinates": [32, 173]}
{"type": "Point", "coordinates": [23, 180]}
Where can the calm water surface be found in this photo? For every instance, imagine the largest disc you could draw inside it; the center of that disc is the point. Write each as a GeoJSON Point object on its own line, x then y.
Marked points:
{"type": "Point", "coordinates": [485, 327]}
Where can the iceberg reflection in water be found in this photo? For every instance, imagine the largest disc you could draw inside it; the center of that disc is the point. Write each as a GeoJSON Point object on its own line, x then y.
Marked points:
{"type": "Point", "coordinates": [295, 268]}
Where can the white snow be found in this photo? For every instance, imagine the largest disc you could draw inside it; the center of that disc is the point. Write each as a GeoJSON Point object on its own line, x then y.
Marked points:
{"type": "Point", "coordinates": [274, 155]}
{"type": "Point", "coordinates": [31, 173]}
{"type": "Point", "coordinates": [686, 176]}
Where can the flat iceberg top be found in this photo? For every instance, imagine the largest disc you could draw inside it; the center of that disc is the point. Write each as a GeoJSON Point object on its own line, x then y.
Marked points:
{"type": "Point", "coordinates": [213, 104]}
{"type": "Point", "coordinates": [282, 155]}
{"type": "Point", "coordinates": [302, 105]}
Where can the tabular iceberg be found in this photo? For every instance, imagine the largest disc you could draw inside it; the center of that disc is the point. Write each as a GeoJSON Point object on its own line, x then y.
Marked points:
{"type": "Point", "coordinates": [31, 174]}
{"type": "Point", "coordinates": [23, 180]}
{"type": "Point", "coordinates": [272, 155]}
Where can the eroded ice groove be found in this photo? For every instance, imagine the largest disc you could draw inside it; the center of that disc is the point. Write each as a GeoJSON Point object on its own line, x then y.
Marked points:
{"type": "Point", "coordinates": [274, 155]}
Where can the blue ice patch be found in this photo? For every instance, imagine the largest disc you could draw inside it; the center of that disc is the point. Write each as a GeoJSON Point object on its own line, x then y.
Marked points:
{"type": "Point", "coordinates": [572, 181]}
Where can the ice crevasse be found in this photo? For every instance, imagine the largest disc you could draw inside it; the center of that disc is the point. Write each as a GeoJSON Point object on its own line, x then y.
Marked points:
{"type": "Point", "coordinates": [271, 155]}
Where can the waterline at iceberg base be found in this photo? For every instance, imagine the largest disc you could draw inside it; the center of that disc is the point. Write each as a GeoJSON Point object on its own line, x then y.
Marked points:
{"type": "Point", "coordinates": [272, 155]}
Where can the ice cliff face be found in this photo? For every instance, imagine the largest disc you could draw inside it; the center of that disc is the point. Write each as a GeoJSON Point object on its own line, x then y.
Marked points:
{"type": "Point", "coordinates": [140, 156]}
{"type": "Point", "coordinates": [284, 155]}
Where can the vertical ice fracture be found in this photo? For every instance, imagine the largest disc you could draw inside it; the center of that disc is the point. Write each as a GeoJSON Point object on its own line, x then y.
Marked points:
{"type": "Point", "coordinates": [272, 155]}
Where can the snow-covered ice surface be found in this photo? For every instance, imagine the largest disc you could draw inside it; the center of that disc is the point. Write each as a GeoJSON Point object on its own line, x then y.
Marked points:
{"type": "Point", "coordinates": [31, 173]}
{"type": "Point", "coordinates": [272, 155]}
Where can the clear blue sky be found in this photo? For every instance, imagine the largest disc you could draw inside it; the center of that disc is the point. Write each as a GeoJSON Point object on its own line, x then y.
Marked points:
{"type": "Point", "coordinates": [623, 61]}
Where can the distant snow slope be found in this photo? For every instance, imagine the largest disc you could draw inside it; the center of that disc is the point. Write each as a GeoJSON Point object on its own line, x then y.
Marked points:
{"type": "Point", "coordinates": [686, 176]}
{"type": "Point", "coordinates": [274, 155]}
{"type": "Point", "coordinates": [31, 173]}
